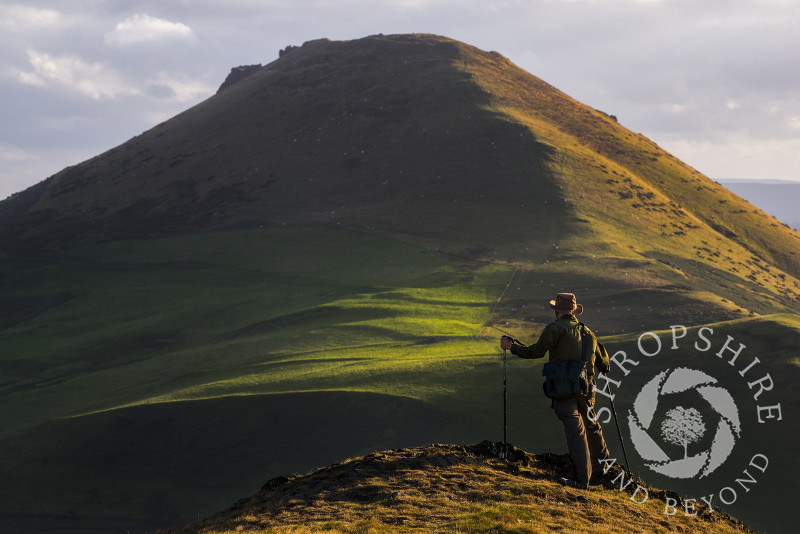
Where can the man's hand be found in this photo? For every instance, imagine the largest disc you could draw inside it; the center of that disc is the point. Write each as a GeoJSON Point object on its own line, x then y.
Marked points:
{"type": "Point", "coordinates": [505, 343]}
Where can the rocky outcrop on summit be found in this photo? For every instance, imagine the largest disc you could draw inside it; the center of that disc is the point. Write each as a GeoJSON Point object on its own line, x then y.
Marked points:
{"type": "Point", "coordinates": [238, 74]}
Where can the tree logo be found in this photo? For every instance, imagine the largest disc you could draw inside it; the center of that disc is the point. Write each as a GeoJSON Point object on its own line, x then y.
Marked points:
{"type": "Point", "coordinates": [681, 425]}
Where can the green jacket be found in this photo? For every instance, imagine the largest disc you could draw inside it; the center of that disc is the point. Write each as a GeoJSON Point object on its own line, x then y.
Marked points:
{"type": "Point", "coordinates": [563, 340]}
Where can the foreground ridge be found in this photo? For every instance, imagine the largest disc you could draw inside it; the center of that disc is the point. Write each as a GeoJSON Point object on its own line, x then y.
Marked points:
{"type": "Point", "coordinates": [450, 488]}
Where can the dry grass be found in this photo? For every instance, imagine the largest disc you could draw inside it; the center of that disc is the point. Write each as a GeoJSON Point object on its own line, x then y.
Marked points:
{"type": "Point", "coordinates": [447, 488]}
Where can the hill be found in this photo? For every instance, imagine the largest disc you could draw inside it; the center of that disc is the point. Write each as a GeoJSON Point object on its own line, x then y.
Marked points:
{"type": "Point", "coordinates": [316, 263]}
{"type": "Point", "coordinates": [497, 165]}
{"type": "Point", "coordinates": [486, 487]}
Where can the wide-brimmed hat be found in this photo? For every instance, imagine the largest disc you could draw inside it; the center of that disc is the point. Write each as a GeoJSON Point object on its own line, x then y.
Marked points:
{"type": "Point", "coordinates": [566, 303]}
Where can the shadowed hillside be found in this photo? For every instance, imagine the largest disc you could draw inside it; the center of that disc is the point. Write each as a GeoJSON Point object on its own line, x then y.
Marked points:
{"type": "Point", "coordinates": [353, 225]}
{"type": "Point", "coordinates": [487, 487]}
{"type": "Point", "coordinates": [335, 133]}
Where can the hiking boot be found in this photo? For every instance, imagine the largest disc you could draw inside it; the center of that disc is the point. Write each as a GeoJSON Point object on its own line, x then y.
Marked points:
{"type": "Point", "coordinates": [572, 483]}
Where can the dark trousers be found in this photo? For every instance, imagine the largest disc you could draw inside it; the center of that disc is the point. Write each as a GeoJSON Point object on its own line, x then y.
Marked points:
{"type": "Point", "coordinates": [584, 437]}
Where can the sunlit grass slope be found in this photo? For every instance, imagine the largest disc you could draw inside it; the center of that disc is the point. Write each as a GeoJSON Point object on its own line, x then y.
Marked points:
{"type": "Point", "coordinates": [628, 198]}
{"type": "Point", "coordinates": [237, 313]}
{"type": "Point", "coordinates": [334, 341]}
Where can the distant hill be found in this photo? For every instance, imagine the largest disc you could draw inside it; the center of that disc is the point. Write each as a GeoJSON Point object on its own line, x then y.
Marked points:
{"type": "Point", "coordinates": [316, 262]}
{"type": "Point", "coordinates": [487, 487]}
{"type": "Point", "coordinates": [776, 197]}
{"type": "Point", "coordinates": [354, 133]}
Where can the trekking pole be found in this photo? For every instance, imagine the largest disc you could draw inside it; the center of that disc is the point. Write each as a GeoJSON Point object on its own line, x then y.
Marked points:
{"type": "Point", "coordinates": [621, 442]}
{"type": "Point", "coordinates": [505, 396]}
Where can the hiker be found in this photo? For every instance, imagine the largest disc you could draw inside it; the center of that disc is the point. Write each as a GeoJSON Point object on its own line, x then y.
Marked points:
{"type": "Point", "coordinates": [564, 340]}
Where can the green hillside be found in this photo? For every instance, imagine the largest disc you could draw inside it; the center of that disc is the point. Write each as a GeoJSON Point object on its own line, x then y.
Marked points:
{"type": "Point", "coordinates": [316, 263]}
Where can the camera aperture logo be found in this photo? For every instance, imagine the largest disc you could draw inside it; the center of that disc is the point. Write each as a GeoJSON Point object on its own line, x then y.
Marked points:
{"type": "Point", "coordinates": [683, 425]}
{"type": "Point", "coordinates": [684, 422]}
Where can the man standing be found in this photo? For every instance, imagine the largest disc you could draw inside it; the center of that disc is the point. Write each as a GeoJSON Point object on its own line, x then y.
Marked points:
{"type": "Point", "coordinates": [563, 339]}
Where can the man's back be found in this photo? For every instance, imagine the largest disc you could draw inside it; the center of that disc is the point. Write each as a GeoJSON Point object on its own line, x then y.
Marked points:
{"type": "Point", "coordinates": [566, 332]}
{"type": "Point", "coordinates": [562, 339]}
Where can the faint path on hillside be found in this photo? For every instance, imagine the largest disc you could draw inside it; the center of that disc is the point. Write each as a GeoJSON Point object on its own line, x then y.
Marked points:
{"type": "Point", "coordinates": [499, 300]}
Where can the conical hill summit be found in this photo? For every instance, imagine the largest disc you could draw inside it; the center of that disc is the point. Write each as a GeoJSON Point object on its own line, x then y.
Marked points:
{"type": "Point", "coordinates": [424, 138]}
{"type": "Point", "coordinates": [389, 133]}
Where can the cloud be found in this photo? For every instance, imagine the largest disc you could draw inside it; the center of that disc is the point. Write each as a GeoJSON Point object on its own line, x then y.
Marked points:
{"type": "Point", "coordinates": [17, 17]}
{"type": "Point", "coordinates": [167, 86]}
{"type": "Point", "coordinates": [142, 28]}
{"type": "Point", "coordinates": [98, 82]}
{"type": "Point", "coordinates": [92, 79]}
{"type": "Point", "coordinates": [14, 153]}
{"type": "Point", "coordinates": [740, 154]}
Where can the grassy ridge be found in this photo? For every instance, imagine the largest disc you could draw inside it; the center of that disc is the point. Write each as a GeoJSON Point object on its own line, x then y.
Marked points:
{"type": "Point", "coordinates": [450, 489]}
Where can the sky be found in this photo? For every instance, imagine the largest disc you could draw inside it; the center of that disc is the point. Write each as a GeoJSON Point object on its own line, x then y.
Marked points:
{"type": "Point", "coordinates": [714, 82]}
